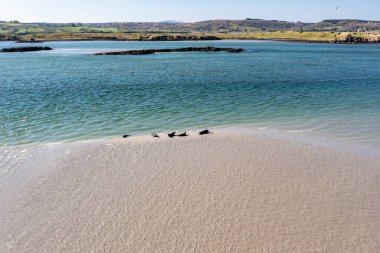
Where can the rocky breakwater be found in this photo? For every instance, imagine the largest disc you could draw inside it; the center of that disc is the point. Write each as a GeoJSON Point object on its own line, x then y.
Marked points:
{"type": "Point", "coordinates": [24, 49]}
{"type": "Point", "coordinates": [174, 50]}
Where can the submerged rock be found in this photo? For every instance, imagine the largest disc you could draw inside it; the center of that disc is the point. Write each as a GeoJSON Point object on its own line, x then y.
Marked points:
{"type": "Point", "coordinates": [174, 50]}
{"type": "Point", "coordinates": [24, 49]}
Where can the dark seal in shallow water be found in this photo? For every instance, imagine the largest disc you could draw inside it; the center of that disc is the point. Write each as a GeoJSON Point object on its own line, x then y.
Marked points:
{"type": "Point", "coordinates": [171, 135]}
{"type": "Point", "coordinates": [205, 132]}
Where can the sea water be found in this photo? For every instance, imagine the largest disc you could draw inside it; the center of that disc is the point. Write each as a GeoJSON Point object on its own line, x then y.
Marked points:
{"type": "Point", "coordinates": [68, 94]}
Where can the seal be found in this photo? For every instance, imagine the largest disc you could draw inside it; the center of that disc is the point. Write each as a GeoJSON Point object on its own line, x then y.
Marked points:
{"type": "Point", "coordinates": [155, 135]}
{"type": "Point", "coordinates": [126, 136]}
{"type": "Point", "coordinates": [205, 132]}
{"type": "Point", "coordinates": [171, 135]}
{"type": "Point", "coordinates": [182, 135]}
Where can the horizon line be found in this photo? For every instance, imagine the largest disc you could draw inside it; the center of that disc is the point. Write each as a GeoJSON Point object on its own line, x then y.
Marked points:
{"type": "Point", "coordinates": [182, 21]}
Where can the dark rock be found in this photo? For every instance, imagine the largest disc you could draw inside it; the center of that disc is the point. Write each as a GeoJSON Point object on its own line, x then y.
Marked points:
{"type": "Point", "coordinates": [32, 40]}
{"type": "Point", "coordinates": [351, 39]}
{"type": "Point", "coordinates": [24, 49]}
{"type": "Point", "coordinates": [175, 50]}
{"type": "Point", "coordinates": [9, 38]}
{"type": "Point", "coordinates": [179, 38]}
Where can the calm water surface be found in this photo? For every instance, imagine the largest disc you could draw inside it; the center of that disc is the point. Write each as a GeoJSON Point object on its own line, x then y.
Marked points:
{"type": "Point", "coordinates": [332, 91]}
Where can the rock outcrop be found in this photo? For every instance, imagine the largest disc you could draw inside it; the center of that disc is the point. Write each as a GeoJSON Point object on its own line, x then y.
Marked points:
{"type": "Point", "coordinates": [175, 50]}
{"type": "Point", "coordinates": [179, 38]}
{"type": "Point", "coordinates": [6, 37]}
{"type": "Point", "coordinates": [24, 49]}
{"type": "Point", "coordinates": [32, 40]}
{"type": "Point", "coordinates": [351, 39]}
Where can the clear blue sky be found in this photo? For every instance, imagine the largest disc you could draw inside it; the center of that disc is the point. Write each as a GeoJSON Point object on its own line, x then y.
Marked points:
{"type": "Point", "coordinates": [185, 10]}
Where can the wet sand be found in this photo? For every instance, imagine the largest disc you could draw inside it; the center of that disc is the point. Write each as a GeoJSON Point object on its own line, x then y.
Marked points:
{"type": "Point", "coordinates": [226, 192]}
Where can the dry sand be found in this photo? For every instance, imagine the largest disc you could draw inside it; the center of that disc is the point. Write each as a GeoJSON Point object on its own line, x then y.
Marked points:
{"type": "Point", "coordinates": [225, 192]}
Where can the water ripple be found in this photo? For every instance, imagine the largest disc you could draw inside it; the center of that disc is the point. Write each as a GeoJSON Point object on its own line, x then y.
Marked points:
{"type": "Point", "coordinates": [69, 94]}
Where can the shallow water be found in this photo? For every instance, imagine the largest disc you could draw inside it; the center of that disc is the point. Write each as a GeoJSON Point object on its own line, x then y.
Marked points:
{"type": "Point", "coordinates": [67, 94]}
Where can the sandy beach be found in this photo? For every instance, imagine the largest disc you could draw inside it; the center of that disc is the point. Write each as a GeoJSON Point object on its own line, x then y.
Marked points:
{"type": "Point", "coordinates": [226, 192]}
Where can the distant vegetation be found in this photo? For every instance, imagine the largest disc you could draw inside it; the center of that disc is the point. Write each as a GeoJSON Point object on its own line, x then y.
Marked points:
{"type": "Point", "coordinates": [327, 30]}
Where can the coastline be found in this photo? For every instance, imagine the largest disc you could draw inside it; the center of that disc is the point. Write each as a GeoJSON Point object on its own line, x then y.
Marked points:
{"type": "Point", "coordinates": [312, 37]}
{"type": "Point", "coordinates": [226, 39]}
{"type": "Point", "coordinates": [294, 135]}
{"type": "Point", "coordinates": [189, 135]}
{"type": "Point", "coordinates": [230, 191]}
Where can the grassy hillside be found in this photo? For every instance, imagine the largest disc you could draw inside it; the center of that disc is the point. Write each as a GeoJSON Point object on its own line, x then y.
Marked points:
{"type": "Point", "coordinates": [325, 31]}
{"type": "Point", "coordinates": [286, 35]}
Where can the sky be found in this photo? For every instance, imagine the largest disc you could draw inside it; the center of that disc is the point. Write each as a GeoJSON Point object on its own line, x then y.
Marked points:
{"type": "Point", "coordinates": [63, 11]}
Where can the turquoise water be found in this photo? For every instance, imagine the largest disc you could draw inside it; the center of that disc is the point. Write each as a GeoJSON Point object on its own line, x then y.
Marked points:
{"type": "Point", "coordinates": [68, 94]}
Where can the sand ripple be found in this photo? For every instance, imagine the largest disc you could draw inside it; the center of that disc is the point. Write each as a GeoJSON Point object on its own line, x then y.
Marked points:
{"type": "Point", "coordinates": [216, 193]}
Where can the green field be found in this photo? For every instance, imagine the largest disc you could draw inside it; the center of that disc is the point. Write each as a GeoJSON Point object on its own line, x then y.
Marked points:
{"type": "Point", "coordinates": [286, 35]}
{"type": "Point", "coordinates": [12, 28]}
{"type": "Point", "coordinates": [157, 31]}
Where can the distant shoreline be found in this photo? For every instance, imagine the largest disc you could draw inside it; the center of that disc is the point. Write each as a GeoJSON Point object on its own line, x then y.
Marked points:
{"type": "Point", "coordinates": [342, 31]}
{"type": "Point", "coordinates": [247, 39]}
{"type": "Point", "coordinates": [288, 36]}
{"type": "Point", "coordinates": [242, 39]}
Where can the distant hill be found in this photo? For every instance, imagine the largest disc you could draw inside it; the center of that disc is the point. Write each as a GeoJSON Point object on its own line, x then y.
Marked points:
{"type": "Point", "coordinates": [171, 22]}
{"type": "Point", "coordinates": [210, 26]}
{"type": "Point", "coordinates": [334, 30]}
{"type": "Point", "coordinates": [345, 25]}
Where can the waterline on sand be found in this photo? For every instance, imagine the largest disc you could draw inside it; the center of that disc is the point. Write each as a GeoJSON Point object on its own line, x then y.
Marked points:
{"type": "Point", "coordinates": [199, 193]}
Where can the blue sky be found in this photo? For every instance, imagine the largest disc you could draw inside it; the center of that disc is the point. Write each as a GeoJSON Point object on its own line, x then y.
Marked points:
{"type": "Point", "coordinates": [195, 10]}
